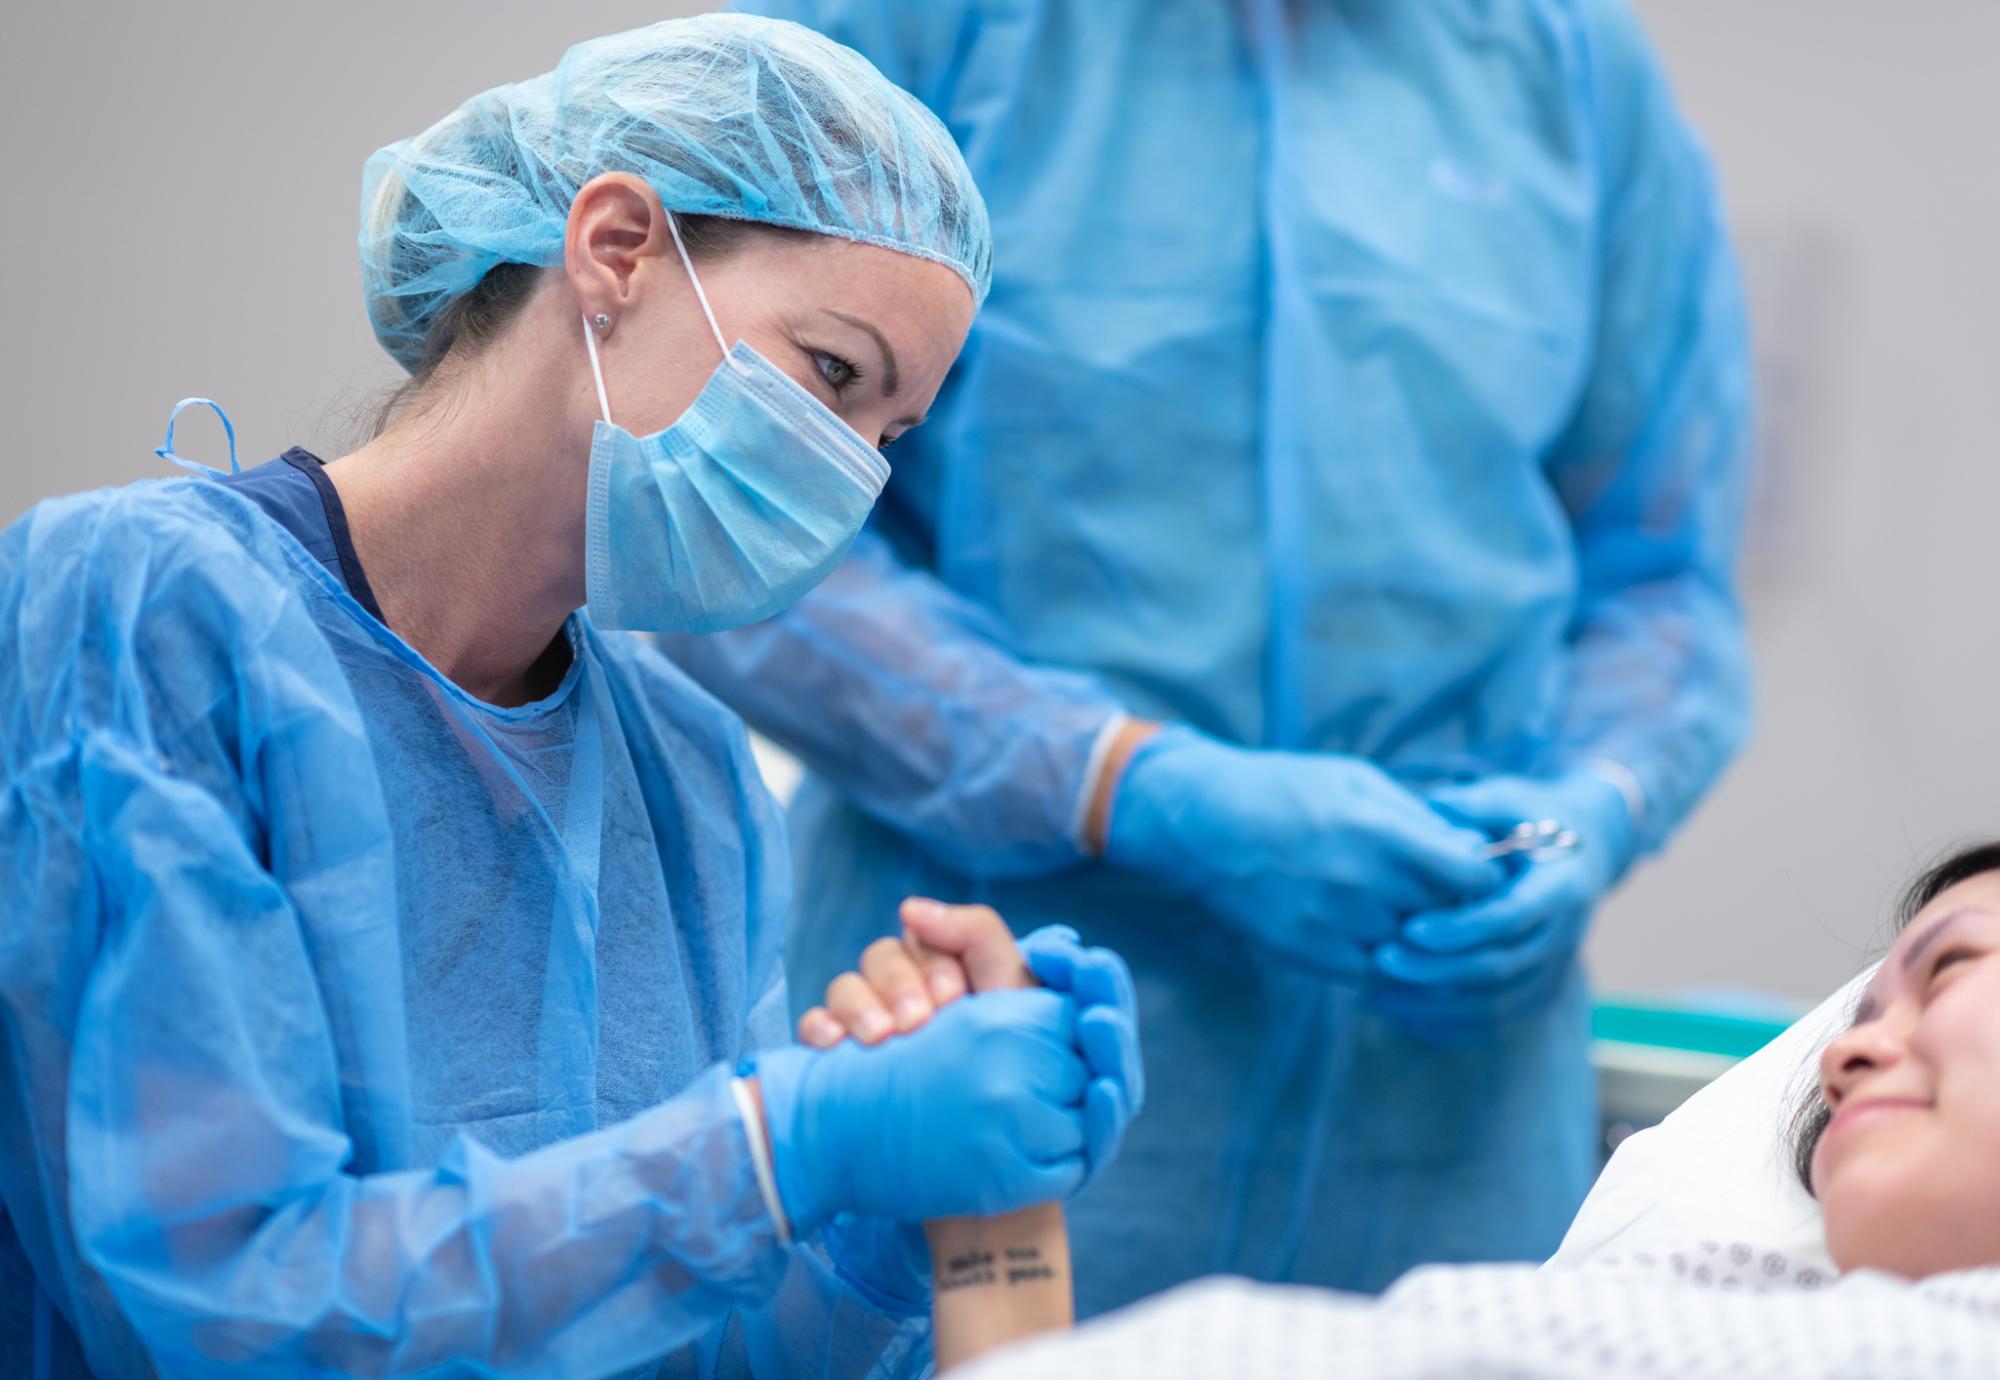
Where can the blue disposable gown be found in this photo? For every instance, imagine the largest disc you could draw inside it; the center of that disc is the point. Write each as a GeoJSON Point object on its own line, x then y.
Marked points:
{"type": "Point", "coordinates": [357, 1027]}
{"type": "Point", "coordinates": [1367, 378]}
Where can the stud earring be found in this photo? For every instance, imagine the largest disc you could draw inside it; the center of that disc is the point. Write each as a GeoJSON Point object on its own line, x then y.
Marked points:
{"type": "Point", "coordinates": [602, 322]}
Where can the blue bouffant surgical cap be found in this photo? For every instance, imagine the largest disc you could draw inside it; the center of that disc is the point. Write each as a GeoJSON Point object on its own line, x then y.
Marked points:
{"type": "Point", "coordinates": [724, 115]}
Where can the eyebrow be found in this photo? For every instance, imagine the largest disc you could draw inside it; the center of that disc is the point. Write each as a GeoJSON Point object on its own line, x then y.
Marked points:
{"type": "Point", "coordinates": [1868, 1007]}
{"type": "Point", "coordinates": [1930, 936]}
{"type": "Point", "coordinates": [890, 380]}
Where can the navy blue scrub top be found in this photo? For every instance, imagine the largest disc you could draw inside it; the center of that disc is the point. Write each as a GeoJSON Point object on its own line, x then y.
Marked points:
{"type": "Point", "coordinates": [299, 497]}
{"type": "Point", "coordinates": [295, 491]}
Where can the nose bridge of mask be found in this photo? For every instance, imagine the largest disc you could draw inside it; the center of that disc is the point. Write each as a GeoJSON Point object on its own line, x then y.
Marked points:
{"type": "Point", "coordinates": [590, 337]}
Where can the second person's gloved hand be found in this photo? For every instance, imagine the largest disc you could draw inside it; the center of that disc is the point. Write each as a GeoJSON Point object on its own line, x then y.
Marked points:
{"type": "Point", "coordinates": [1506, 953]}
{"type": "Point", "coordinates": [980, 1111]}
{"type": "Point", "coordinates": [1316, 855]}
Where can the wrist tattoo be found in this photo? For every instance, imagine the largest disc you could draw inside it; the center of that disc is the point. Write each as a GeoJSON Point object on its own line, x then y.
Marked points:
{"type": "Point", "coordinates": [1014, 1265]}
{"type": "Point", "coordinates": [965, 1270]}
{"type": "Point", "coordinates": [1025, 1264]}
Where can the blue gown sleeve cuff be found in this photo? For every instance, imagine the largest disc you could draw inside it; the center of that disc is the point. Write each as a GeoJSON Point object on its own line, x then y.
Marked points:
{"type": "Point", "coordinates": [888, 1264]}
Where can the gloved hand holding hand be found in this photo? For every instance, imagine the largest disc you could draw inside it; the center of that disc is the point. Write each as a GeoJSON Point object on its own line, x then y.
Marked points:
{"type": "Point", "coordinates": [979, 1112]}
{"type": "Point", "coordinates": [946, 951]}
{"type": "Point", "coordinates": [1316, 855]}
{"type": "Point", "coordinates": [1507, 952]}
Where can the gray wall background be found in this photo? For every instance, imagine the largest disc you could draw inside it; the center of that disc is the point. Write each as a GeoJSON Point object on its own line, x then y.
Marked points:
{"type": "Point", "coordinates": [182, 205]}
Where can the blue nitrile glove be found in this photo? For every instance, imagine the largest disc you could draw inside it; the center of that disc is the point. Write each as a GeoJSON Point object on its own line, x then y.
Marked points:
{"type": "Point", "coordinates": [1107, 1030]}
{"type": "Point", "coordinates": [1316, 855]}
{"type": "Point", "coordinates": [980, 1111]}
{"type": "Point", "coordinates": [1509, 951]}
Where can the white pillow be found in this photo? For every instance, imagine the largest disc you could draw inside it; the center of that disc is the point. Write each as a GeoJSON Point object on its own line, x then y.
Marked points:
{"type": "Point", "coordinates": [1718, 1168]}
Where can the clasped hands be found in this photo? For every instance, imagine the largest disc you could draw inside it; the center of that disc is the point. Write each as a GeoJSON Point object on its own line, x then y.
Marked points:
{"type": "Point", "coordinates": [981, 1077]}
{"type": "Point", "coordinates": [1351, 874]}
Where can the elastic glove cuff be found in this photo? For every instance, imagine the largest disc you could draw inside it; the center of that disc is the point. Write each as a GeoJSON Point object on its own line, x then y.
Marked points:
{"type": "Point", "coordinates": [783, 1079]}
{"type": "Point", "coordinates": [1161, 783]}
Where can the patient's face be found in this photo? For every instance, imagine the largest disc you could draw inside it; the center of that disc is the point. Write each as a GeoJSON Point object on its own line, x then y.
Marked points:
{"type": "Point", "coordinates": [1908, 1171]}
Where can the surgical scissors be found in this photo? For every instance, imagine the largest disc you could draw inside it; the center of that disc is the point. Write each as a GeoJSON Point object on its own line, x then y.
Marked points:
{"type": "Point", "coordinates": [1537, 836]}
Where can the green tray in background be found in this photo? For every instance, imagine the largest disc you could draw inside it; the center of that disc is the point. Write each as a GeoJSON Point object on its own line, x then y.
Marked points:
{"type": "Point", "coordinates": [1662, 1025]}
{"type": "Point", "coordinates": [1651, 1056]}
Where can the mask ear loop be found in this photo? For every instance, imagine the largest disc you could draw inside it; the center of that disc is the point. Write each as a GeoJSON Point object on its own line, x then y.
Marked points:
{"type": "Point", "coordinates": [673, 224]}
{"type": "Point", "coordinates": [590, 337]}
{"type": "Point", "coordinates": [596, 369]}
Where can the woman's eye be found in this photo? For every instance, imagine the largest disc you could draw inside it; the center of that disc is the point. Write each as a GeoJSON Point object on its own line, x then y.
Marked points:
{"type": "Point", "coordinates": [1949, 958]}
{"type": "Point", "coordinates": [888, 441]}
{"type": "Point", "coordinates": [838, 372]}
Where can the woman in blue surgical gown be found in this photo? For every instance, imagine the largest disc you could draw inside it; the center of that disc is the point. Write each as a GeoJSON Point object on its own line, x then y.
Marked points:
{"type": "Point", "coordinates": [1363, 397]}
{"type": "Point", "coordinates": [391, 976]}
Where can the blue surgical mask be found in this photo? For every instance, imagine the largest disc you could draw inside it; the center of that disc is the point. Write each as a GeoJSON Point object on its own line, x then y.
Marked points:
{"type": "Point", "coordinates": [734, 511]}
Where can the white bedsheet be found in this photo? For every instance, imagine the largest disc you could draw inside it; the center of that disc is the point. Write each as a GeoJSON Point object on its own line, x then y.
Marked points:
{"type": "Point", "coordinates": [1715, 1311]}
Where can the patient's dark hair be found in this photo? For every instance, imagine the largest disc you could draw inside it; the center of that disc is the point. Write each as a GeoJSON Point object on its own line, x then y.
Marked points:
{"type": "Point", "coordinates": [1809, 1120]}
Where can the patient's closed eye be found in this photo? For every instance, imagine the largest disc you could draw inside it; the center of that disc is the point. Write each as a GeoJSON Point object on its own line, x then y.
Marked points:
{"type": "Point", "coordinates": [1952, 957]}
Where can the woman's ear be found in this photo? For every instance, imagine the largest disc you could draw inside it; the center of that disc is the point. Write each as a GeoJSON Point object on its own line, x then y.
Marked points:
{"type": "Point", "coordinates": [615, 224]}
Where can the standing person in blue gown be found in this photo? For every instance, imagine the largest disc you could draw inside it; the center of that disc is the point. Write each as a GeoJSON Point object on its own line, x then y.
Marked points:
{"type": "Point", "coordinates": [1346, 469]}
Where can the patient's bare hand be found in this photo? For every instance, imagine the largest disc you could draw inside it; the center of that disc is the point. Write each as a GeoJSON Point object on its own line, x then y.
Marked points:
{"type": "Point", "coordinates": [944, 952]}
